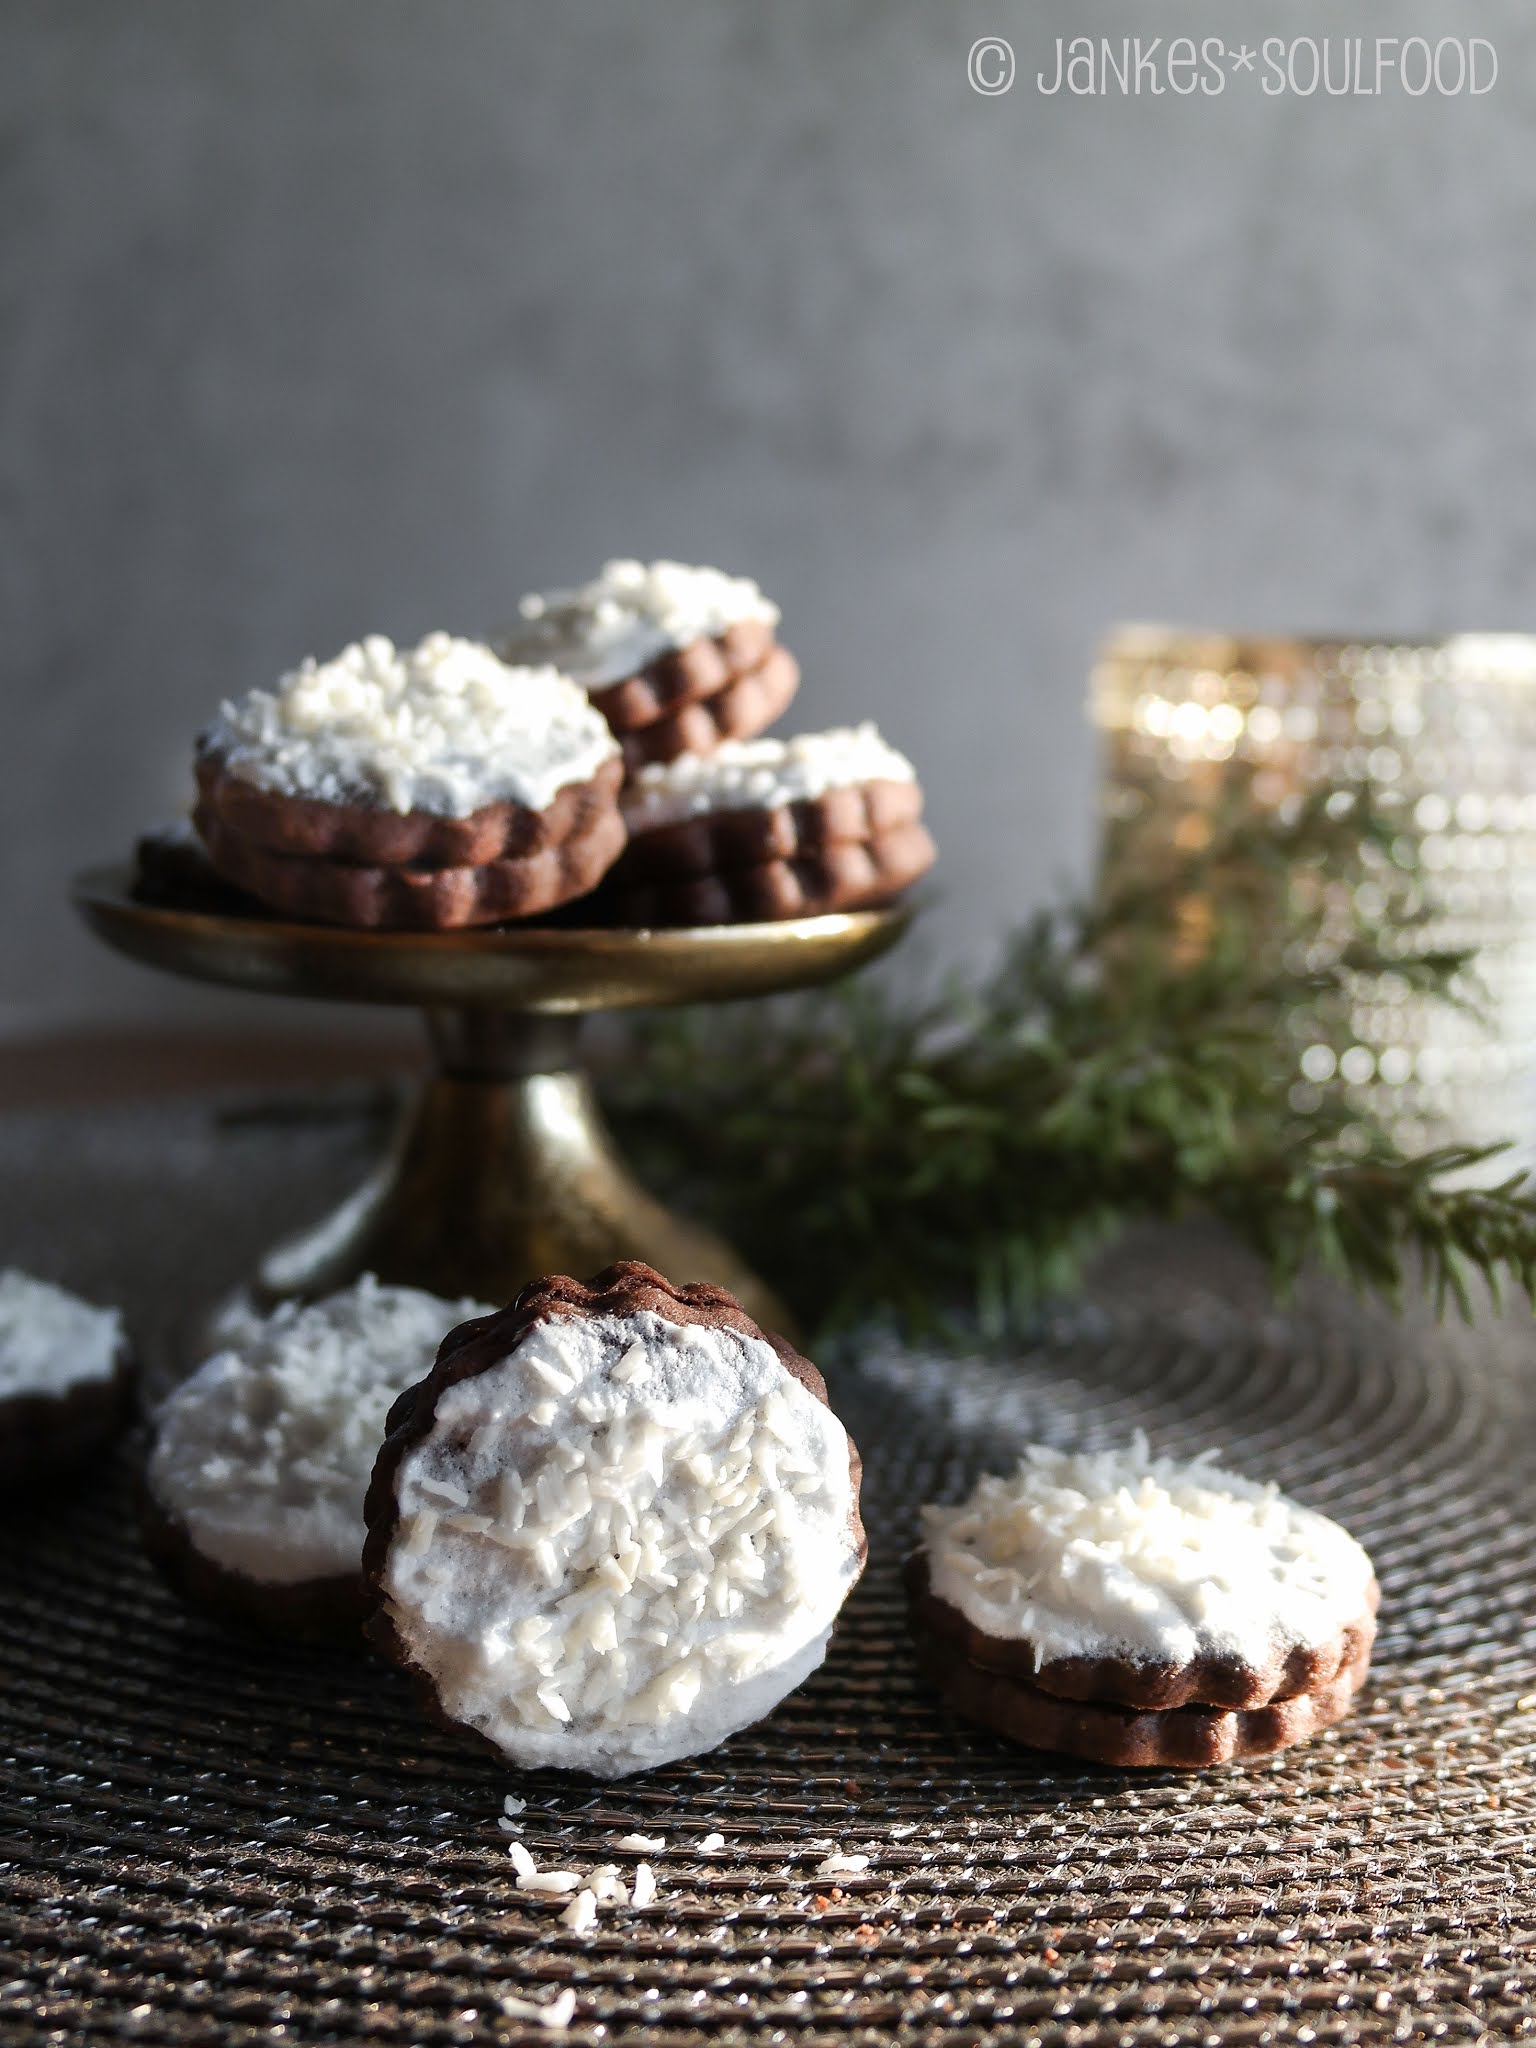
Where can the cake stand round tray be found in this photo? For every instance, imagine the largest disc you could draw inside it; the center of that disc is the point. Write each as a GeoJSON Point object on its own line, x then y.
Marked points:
{"type": "Point", "coordinates": [502, 1168]}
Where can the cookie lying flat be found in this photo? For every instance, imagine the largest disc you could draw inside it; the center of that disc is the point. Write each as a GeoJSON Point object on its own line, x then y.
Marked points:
{"type": "Point", "coordinates": [1190, 1615]}
{"type": "Point", "coordinates": [66, 1378]}
{"type": "Point", "coordinates": [172, 871]}
{"type": "Point", "coordinates": [427, 786]}
{"type": "Point", "coordinates": [254, 1488]}
{"type": "Point", "coordinates": [614, 1525]}
{"type": "Point", "coordinates": [674, 657]}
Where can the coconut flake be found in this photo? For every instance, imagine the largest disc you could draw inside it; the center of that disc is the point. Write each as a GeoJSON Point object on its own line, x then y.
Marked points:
{"type": "Point", "coordinates": [556, 2015]}
{"type": "Point", "coordinates": [581, 1913]}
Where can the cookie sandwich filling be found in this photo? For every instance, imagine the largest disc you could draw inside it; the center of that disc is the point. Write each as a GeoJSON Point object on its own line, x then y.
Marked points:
{"type": "Point", "coordinates": [622, 1542]}
{"type": "Point", "coordinates": [444, 727]}
{"type": "Point", "coordinates": [1121, 1554]}
{"type": "Point", "coordinates": [263, 1456]}
{"type": "Point", "coordinates": [764, 774]}
{"type": "Point", "coordinates": [52, 1341]}
{"type": "Point", "coordinates": [611, 627]}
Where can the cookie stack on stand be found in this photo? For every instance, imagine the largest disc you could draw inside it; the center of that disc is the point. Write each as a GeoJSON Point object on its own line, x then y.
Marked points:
{"type": "Point", "coordinates": [724, 826]}
{"type": "Point", "coordinates": [421, 788]}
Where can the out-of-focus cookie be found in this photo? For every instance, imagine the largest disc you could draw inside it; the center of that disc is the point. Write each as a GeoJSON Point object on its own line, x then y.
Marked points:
{"type": "Point", "coordinates": [614, 1525]}
{"type": "Point", "coordinates": [417, 898]}
{"type": "Point", "coordinates": [1140, 1610]}
{"type": "Point", "coordinates": [768, 829]}
{"type": "Point", "coordinates": [426, 787]}
{"type": "Point", "coordinates": [253, 1494]}
{"type": "Point", "coordinates": [676, 658]}
{"type": "Point", "coordinates": [66, 1378]}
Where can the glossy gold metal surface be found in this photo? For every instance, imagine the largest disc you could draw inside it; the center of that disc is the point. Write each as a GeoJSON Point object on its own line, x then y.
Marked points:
{"type": "Point", "coordinates": [546, 970]}
{"type": "Point", "coordinates": [502, 1168]}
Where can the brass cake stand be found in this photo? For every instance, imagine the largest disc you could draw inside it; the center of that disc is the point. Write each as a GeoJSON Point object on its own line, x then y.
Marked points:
{"type": "Point", "coordinates": [502, 1167]}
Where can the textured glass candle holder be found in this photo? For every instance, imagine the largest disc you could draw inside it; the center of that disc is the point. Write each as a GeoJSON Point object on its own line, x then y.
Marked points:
{"type": "Point", "coordinates": [1447, 730]}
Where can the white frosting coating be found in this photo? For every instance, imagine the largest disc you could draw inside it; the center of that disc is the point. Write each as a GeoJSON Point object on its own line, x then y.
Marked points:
{"type": "Point", "coordinates": [612, 626]}
{"type": "Point", "coordinates": [1120, 1554]}
{"type": "Point", "coordinates": [51, 1341]}
{"type": "Point", "coordinates": [264, 1455]}
{"type": "Point", "coordinates": [623, 1542]}
{"type": "Point", "coordinates": [753, 775]}
{"type": "Point", "coordinates": [444, 727]}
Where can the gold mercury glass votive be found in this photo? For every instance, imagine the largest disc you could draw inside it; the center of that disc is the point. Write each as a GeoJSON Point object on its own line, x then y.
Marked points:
{"type": "Point", "coordinates": [1448, 728]}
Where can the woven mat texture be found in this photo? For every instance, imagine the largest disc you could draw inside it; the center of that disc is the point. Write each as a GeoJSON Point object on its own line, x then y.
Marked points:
{"type": "Point", "coordinates": [207, 1837]}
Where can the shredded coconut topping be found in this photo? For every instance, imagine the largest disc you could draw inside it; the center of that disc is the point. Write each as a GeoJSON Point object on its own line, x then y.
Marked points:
{"type": "Point", "coordinates": [1122, 1554]}
{"type": "Point", "coordinates": [51, 1341]}
{"type": "Point", "coordinates": [264, 1455]}
{"type": "Point", "coordinates": [633, 611]}
{"type": "Point", "coordinates": [444, 727]}
{"type": "Point", "coordinates": [762, 774]}
{"type": "Point", "coordinates": [649, 1562]}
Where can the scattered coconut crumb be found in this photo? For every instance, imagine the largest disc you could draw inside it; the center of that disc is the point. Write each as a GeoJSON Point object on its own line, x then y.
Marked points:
{"type": "Point", "coordinates": [606, 1885]}
{"type": "Point", "coordinates": [557, 2015]}
{"type": "Point", "coordinates": [522, 1862]}
{"type": "Point", "coordinates": [710, 1844]}
{"type": "Point", "coordinates": [908, 1827]}
{"type": "Point", "coordinates": [513, 1805]}
{"type": "Point", "coordinates": [643, 1890]}
{"type": "Point", "coordinates": [841, 1866]}
{"type": "Point", "coordinates": [552, 1884]}
{"type": "Point", "coordinates": [581, 1913]}
{"type": "Point", "coordinates": [643, 1845]}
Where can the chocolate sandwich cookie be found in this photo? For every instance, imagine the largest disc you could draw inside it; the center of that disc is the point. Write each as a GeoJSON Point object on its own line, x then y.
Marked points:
{"type": "Point", "coordinates": [1141, 1611]}
{"type": "Point", "coordinates": [614, 1524]}
{"type": "Point", "coordinates": [676, 658]}
{"type": "Point", "coordinates": [416, 898]}
{"type": "Point", "coordinates": [746, 705]}
{"type": "Point", "coordinates": [253, 1493]}
{"type": "Point", "coordinates": [425, 788]}
{"type": "Point", "coordinates": [768, 829]}
{"type": "Point", "coordinates": [66, 1379]}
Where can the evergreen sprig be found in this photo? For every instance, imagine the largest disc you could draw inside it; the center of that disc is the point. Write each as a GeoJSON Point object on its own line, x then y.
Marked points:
{"type": "Point", "coordinates": [1135, 1057]}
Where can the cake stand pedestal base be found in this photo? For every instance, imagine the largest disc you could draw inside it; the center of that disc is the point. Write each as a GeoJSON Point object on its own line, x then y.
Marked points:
{"type": "Point", "coordinates": [502, 1169]}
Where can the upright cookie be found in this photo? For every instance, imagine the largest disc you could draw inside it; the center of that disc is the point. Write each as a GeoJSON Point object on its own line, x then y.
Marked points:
{"type": "Point", "coordinates": [676, 658]}
{"type": "Point", "coordinates": [614, 1525]}
{"type": "Point", "coordinates": [1141, 1610]}
{"type": "Point", "coordinates": [770, 828]}
{"type": "Point", "coordinates": [426, 787]}
{"type": "Point", "coordinates": [66, 1378]}
{"type": "Point", "coordinates": [254, 1488]}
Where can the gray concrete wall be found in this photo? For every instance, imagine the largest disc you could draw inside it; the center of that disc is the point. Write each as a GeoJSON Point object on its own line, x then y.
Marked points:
{"type": "Point", "coordinates": [323, 316]}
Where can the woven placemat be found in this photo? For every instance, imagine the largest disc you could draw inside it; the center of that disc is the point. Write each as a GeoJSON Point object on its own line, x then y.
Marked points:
{"type": "Point", "coordinates": [211, 1838]}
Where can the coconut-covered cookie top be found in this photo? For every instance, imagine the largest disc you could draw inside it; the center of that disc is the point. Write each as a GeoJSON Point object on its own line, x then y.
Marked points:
{"type": "Point", "coordinates": [619, 1542]}
{"type": "Point", "coordinates": [612, 626]}
{"type": "Point", "coordinates": [50, 1340]}
{"type": "Point", "coordinates": [445, 727]}
{"type": "Point", "coordinates": [762, 774]}
{"type": "Point", "coordinates": [1121, 1554]}
{"type": "Point", "coordinates": [263, 1456]}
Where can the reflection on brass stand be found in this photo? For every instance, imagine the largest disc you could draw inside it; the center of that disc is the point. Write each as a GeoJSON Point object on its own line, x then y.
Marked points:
{"type": "Point", "coordinates": [502, 1168]}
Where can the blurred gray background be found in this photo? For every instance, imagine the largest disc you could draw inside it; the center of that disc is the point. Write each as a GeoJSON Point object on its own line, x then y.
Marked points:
{"type": "Point", "coordinates": [322, 319]}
